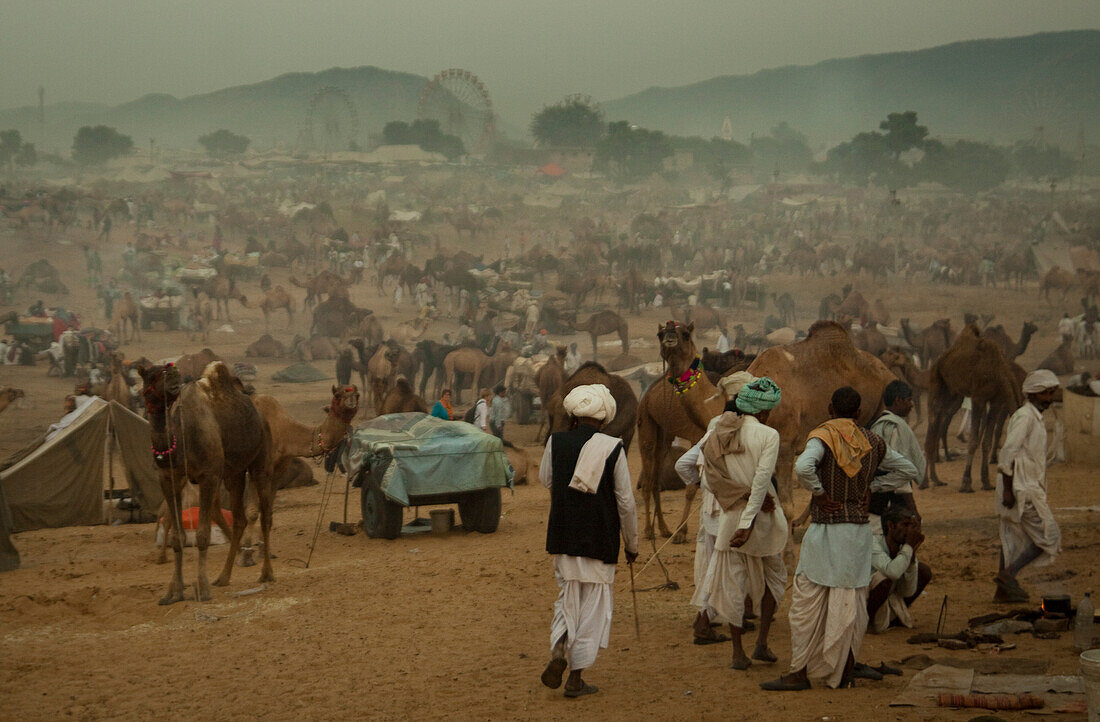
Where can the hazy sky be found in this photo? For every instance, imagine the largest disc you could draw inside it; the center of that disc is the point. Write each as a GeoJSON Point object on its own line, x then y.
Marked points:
{"type": "Point", "coordinates": [527, 53]}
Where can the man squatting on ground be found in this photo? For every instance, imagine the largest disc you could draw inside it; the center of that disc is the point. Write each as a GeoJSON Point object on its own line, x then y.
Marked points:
{"type": "Point", "coordinates": [897, 578]}
{"type": "Point", "coordinates": [736, 460]}
{"type": "Point", "coordinates": [1029, 533]}
{"type": "Point", "coordinates": [828, 614]}
{"type": "Point", "coordinates": [591, 504]}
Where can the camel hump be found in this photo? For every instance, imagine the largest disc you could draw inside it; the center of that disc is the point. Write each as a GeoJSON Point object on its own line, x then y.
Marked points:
{"type": "Point", "coordinates": [217, 374]}
{"type": "Point", "coordinates": [824, 327]}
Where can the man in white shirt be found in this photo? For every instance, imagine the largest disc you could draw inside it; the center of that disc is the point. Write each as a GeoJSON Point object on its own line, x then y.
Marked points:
{"type": "Point", "coordinates": [481, 410]}
{"type": "Point", "coordinates": [897, 578]}
{"type": "Point", "coordinates": [723, 344]}
{"type": "Point", "coordinates": [591, 506]}
{"type": "Point", "coordinates": [897, 398]}
{"type": "Point", "coordinates": [1029, 533]}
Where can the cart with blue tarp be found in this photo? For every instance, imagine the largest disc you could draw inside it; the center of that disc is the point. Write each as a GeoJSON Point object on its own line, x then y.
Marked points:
{"type": "Point", "coordinates": [414, 459]}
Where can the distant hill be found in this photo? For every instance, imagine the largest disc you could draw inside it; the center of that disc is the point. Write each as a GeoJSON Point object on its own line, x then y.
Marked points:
{"type": "Point", "coordinates": [999, 90]}
{"type": "Point", "coordinates": [267, 112]}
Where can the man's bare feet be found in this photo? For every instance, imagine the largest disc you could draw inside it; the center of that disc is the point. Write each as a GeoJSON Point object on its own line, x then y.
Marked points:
{"type": "Point", "coordinates": [741, 662]}
{"type": "Point", "coordinates": [763, 654]}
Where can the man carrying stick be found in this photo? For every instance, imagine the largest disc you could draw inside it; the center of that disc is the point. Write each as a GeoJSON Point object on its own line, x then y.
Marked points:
{"type": "Point", "coordinates": [591, 504]}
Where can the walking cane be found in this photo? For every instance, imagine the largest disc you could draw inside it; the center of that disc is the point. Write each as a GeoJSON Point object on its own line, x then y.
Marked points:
{"type": "Point", "coordinates": [634, 594]}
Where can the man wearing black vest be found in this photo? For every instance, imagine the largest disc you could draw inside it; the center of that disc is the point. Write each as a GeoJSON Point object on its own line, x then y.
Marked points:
{"type": "Point", "coordinates": [591, 506]}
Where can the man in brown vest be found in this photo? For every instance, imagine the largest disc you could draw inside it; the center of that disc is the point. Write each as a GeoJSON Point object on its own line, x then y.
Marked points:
{"type": "Point", "coordinates": [828, 614]}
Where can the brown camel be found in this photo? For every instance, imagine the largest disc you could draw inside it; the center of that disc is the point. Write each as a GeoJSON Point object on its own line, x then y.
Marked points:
{"type": "Point", "coordinates": [869, 339]}
{"type": "Point", "coordinates": [704, 317]}
{"type": "Point", "coordinates": [1060, 360]}
{"type": "Point", "coordinates": [324, 283]}
{"type": "Point", "coordinates": [402, 399]}
{"type": "Point", "coordinates": [200, 317]}
{"type": "Point", "coordinates": [385, 365]}
{"type": "Point", "coordinates": [370, 330]}
{"type": "Point", "coordinates": [220, 289]}
{"type": "Point", "coordinates": [291, 440]}
{"type": "Point", "coordinates": [9, 395]}
{"type": "Point", "coordinates": [207, 433]}
{"type": "Point", "coordinates": [901, 365]}
{"type": "Point", "coordinates": [784, 304]}
{"type": "Point", "coordinates": [931, 342]}
{"type": "Point", "coordinates": [670, 408]}
{"type": "Point", "coordinates": [118, 387]}
{"type": "Point", "coordinates": [125, 314]}
{"type": "Point", "coordinates": [549, 379]}
{"type": "Point", "coordinates": [273, 300]}
{"type": "Point", "coordinates": [1056, 279]}
{"type": "Point", "coordinates": [464, 360]}
{"type": "Point", "coordinates": [808, 372]}
{"type": "Point", "coordinates": [626, 403]}
{"type": "Point", "coordinates": [265, 347]}
{"type": "Point", "coordinates": [1012, 349]}
{"type": "Point", "coordinates": [973, 367]}
{"type": "Point", "coordinates": [602, 323]}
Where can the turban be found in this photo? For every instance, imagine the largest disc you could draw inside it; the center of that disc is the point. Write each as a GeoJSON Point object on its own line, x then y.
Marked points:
{"type": "Point", "coordinates": [730, 385]}
{"type": "Point", "coordinates": [593, 401]}
{"type": "Point", "coordinates": [761, 395]}
{"type": "Point", "coordinates": [1039, 381]}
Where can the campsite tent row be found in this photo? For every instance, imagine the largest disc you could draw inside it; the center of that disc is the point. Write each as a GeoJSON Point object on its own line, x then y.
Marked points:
{"type": "Point", "coordinates": [58, 480]}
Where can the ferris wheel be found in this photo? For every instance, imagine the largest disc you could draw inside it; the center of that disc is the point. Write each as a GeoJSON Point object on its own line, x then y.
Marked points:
{"type": "Point", "coordinates": [332, 123]}
{"type": "Point", "coordinates": [1045, 105]}
{"type": "Point", "coordinates": [459, 101]}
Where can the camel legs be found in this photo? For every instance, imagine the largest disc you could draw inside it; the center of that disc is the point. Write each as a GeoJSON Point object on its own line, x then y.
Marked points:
{"type": "Point", "coordinates": [208, 490]}
{"type": "Point", "coordinates": [174, 535]}
{"type": "Point", "coordinates": [689, 497]}
{"type": "Point", "coordinates": [652, 442]}
{"type": "Point", "coordinates": [236, 492]}
{"type": "Point", "coordinates": [265, 490]}
{"type": "Point", "coordinates": [978, 421]}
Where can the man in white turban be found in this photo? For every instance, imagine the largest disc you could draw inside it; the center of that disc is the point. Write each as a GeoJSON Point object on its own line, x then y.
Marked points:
{"type": "Point", "coordinates": [591, 506]}
{"type": "Point", "coordinates": [1029, 533]}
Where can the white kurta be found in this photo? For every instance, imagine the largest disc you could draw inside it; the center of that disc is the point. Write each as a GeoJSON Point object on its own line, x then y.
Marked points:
{"type": "Point", "coordinates": [901, 571]}
{"type": "Point", "coordinates": [1030, 521]}
{"type": "Point", "coordinates": [687, 467]}
{"type": "Point", "coordinates": [582, 611]}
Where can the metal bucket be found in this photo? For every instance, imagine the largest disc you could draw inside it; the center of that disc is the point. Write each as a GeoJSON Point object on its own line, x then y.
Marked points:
{"type": "Point", "coordinates": [443, 520]}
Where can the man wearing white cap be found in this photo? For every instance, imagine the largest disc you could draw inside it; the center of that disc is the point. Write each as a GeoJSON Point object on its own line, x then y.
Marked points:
{"type": "Point", "coordinates": [1029, 533]}
{"type": "Point", "coordinates": [591, 505]}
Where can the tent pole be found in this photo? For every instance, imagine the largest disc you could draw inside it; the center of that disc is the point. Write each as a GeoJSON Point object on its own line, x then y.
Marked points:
{"type": "Point", "coordinates": [110, 466]}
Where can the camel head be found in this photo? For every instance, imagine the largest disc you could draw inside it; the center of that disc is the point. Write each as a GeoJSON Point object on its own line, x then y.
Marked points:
{"type": "Point", "coordinates": [345, 402]}
{"type": "Point", "coordinates": [160, 387]}
{"type": "Point", "coordinates": [675, 341]}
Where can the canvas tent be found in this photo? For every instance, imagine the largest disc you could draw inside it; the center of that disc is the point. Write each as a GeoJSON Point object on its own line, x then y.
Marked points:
{"type": "Point", "coordinates": [59, 479]}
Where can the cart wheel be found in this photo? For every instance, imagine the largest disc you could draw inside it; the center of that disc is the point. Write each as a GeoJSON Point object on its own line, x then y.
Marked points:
{"type": "Point", "coordinates": [480, 510]}
{"type": "Point", "coordinates": [381, 517]}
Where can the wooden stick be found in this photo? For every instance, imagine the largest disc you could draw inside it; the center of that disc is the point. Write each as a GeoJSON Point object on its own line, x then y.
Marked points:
{"type": "Point", "coordinates": [634, 593]}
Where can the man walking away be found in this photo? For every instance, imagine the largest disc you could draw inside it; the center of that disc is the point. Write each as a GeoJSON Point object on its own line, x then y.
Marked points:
{"type": "Point", "coordinates": [828, 614]}
{"type": "Point", "coordinates": [1029, 533]}
{"type": "Point", "coordinates": [591, 505]}
{"type": "Point", "coordinates": [897, 578]}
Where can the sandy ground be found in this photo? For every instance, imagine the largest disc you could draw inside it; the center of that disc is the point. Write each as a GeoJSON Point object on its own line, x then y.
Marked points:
{"type": "Point", "coordinates": [457, 624]}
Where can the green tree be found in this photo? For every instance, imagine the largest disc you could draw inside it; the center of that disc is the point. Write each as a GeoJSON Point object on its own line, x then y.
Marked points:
{"type": "Point", "coordinates": [1043, 161]}
{"type": "Point", "coordinates": [630, 153]}
{"type": "Point", "coordinates": [424, 133]}
{"type": "Point", "coordinates": [965, 166]}
{"type": "Point", "coordinates": [902, 132]}
{"type": "Point", "coordinates": [94, 145]}
{"type": "Point", "coordinates": [223, 143]}
{"type": "Point", "coordinates": [568, 124]}
{"type": "Point", "coordinates": [14, 150]}
{"type": "Point", "coordinates": [784, 148]}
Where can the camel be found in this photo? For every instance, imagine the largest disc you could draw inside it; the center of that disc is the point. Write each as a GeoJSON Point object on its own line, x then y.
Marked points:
{"type": "Point", "coordinates": [1056, 279]}
{"type": "Point", "coordinates": [265, 347]}
{"type": "Point", "coordinates": [292, 440]}
{"type": "Point", "coordinates": [704, 317]}
{"type": "Point", "coordinates": [1012, 349]}
{"type": "Point", "coordinates": [549, 379]}
{"type": "Point", "coordinates": [273, 300]}
{"type": "Point", "coordinates": [973, 367]}
{"type": "Point", "coordinates": [392, 267]}
{"type": "Point", "coordinates": [786, 307]}
{"type": "Point", "coordinates": [931, 342]}
{"type": "Point", "coordinates": [667, 411]}
{"type": "Point", "coordinates": [200, 317]}
{"type": "Point", "coordinates": [383, 368]}
{"type": "Point", "coordinates": [402, 399]}
{"type": "Point", "coordinates": [126, 313]}
{"type": "Point", "coordinates": [220, 289]}
{"type": "Point", "coordinates": [901, 364]}
{"type": "Point", "coordinates": [429, 357]}
{"type": "Point", "coordinates": [464, 360]}
{"type": "Point", "coordinates": [324, 283]}
{"type": "Point", "coordinates": [118, 387]}
{"type": "Point", "coordinates": [870, 339]}
{"type": "Point", "coordinates": [1061, 360]}
{"type": "Point", "coordinates": [602, 323]}
{"type": "Point", "coordinates": [626, 403]}
{"type": "Point", "coordinates": [337, 317]}
{"type": "Point", "coordinates": [208, 433]}
{"type": "Point", "coordinates": [192, 365]}
{"type": "Point", "coordinates": [9, 395]}
{"type": "Point", "coordinates": [808, 372]}
{"type": "Point", "coordinates": [370, 329]}
{"type": "Point", "coordinates": [408, 334]}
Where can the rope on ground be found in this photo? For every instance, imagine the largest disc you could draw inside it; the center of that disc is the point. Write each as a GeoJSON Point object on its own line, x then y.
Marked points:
{"type": "Point", "coordinates": [656, 552]}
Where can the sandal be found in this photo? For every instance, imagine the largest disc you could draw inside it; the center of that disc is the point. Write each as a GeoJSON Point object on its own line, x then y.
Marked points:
{"type": "Point", "coordinates": [716, 639]}
{"type": "Point", "coordinates": [551, 676]}
{"type": "Point", "coordinates": [586, 689]}
{"type": "Point", "coordinates": [780, 685]}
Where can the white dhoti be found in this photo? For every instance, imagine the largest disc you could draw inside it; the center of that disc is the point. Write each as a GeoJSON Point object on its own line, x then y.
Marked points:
{"type": "Point", "coordinates": [893, 608]}
{"type": "Point", "coordinates": [827, 623]}
{"type": "Point", "coordinates": [1031, 526]}
{"type": "Point", "coordinates": [582, 612]}
{"type": "Point", "coordinates": [734, 575]}
{"type": "Point", "coordinates": [704, 551]}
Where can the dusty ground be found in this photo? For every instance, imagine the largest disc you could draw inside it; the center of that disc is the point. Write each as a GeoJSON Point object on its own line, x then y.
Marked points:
{"type": "Point", "coordinates": [454, 625]}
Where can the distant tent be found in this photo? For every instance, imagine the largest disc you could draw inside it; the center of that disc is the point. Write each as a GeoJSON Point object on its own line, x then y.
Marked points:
{"type": "Point", "coordinates": [58, 480]}
{"type": "Point", "coordinates": [552, 169]}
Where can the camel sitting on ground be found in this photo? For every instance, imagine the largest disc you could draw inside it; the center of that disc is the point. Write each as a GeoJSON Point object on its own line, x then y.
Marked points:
{"type": "Point", "coordinates": [207, 433]}
{"type": "Point", "coordinates": [265, 347]}
{"type": "Point", "coordinates": [9, 395]}
{"type": "Point", "coordinates": [973, 367]}
{"type": "Point", "coordinates": [602, 323]}
{"type": "Point", "coordinates": [126, 315]}
{"type": "Point", "coordinates": [808, 372]}
{"type": "Point", "coordinates": [402, 399]}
